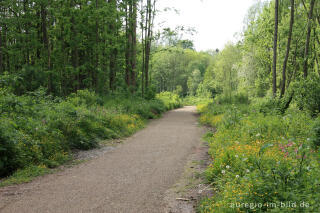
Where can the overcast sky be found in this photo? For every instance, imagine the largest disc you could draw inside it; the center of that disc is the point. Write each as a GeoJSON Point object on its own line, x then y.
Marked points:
{"type": "Point", "coordinates": [216, 21]}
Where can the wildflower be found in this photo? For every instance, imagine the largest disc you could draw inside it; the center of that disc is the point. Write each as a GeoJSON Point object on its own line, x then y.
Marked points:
{"type": "Point", "coordinates": [223, 171]}
{"type": "Point", "coordinates": [257, 135]}
{"type": "Point", "coordinates": [247, 170]}
{"type": "Point", "coordinates": [227, 166]}
{"type": "Point", "coordinates": [237, 176]}
{"type": "Point", "coordinates": [236, 156]}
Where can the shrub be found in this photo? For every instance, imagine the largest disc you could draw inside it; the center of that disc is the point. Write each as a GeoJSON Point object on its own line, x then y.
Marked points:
{"type": "Point", "coordinates": [8, 149]}
{"type": "Point", "coordinates": [36, 129]}
{"type": "Point", "coordinates": [194, 101]}
{"type": "Point", "coordinates": [316, 133]}
{"type": "Point", "coordinates": [308, 94]}
{"type": "Point", "coordinates": [170, 100]}
{"type": "Point", "coordinates": [261, 159]}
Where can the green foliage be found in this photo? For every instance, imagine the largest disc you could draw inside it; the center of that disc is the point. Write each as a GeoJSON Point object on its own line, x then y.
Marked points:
{"type": "Point", "coordinates": [261, 158]}
{"type": "Point", "coordinates": [175, 66]}
{"type": "Point", "coordinates": [36, 129]}
{"type": "Point", "coordinates": [222, 74]}
{"type": "Point", "coordinates": [195, 100]}
{"type": "Point", "coordinates": [238, 98]}
{"type": "Point", "coordinates": [170, 100]}
{"type": "Point", "coordinates": [308, 94]}
{"type": "Point", "coordinates": [150, 93]}
{"type": "Point", "coordinates": [8, 150]}
{"type": "Point", "coordinates": [316, 133]}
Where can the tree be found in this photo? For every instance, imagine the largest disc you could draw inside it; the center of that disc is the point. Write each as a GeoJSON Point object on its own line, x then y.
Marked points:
{"type": "Point", "coordinates": [283, 85]}
{"type": "Point", "coordinates": [275, 40]}
{"type": "Point", "coordinates": [306, 50]}
{"type": "Point", "coordinates": [114, 50]}
{"type": "Point", "coordinates": [147, 19]}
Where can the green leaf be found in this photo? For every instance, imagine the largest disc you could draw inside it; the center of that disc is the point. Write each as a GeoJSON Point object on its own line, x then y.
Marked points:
{"type": "Point", "coordinates": [264, 148]}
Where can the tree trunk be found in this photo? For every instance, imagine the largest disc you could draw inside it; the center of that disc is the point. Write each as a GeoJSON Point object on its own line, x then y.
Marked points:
{"type": "Point", "coordinates": [275, 40]}
{"type": "Point", "coordinates": [134, 43]}
{"type": "Point", "coordinates": [46, 44]}
{"type": "Point", "coordinates": [6, 63]}
{"type": "Point", "coordinates": [94, 71]}
{"type": "Point", "coordinates": [148, 41]}
{"type": "Point", "coordinates": [143, 41]}
{"type": "Point", "coordinates": [128, 45]}
{"type": "Point", "coordinates": [1, 54]}
{"type": "Point", "coordinates": [294, 65]}
{"type": "Point", "coordinates": [75, 56]}
{"type": "Point", "coordinates": [39, 37]}
{"type": "Point", "coordinates": [114, 50]}
{"type": "Point", "coordinates": [284, 75]}
{"type": "Point", "coordinates": [27, 25]}
{"type": "Point", "coordinates": [306, 50]}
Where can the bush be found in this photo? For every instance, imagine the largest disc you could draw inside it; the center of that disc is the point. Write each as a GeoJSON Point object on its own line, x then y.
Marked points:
{"type": "Point", "coordinates": [261, 158]}
{"type": "Point", "coordinates": [8, 150]}
{"type": "Point", "coordinates": [194, 100]}
{"type": "Point", "coordinates": [308, 94]}
{"type": "Point", "coordinates": [316, 133]}
{"type": "Point", "coordinates": [170, 100]}
{"type": "Point", "coordinates": [238, 98]}
{"type": "Point", "coordinates": [36, 129]}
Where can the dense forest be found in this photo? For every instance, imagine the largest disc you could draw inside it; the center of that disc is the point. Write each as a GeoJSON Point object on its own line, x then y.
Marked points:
{"type": "Point", "coordinates": [65, 46]}
{"type": "Point", "coordinates": [75, 72]}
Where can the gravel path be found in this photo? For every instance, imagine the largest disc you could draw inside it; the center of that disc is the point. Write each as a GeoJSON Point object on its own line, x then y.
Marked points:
{"type": "Point", "coordinates": [132, 178]}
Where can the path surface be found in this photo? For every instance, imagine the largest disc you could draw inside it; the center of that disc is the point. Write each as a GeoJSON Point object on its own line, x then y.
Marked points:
{"type": "Point", "coordinates": [133, 178]}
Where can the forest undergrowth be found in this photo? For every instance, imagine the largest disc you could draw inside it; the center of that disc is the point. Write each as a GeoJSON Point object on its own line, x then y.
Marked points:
{"type": "Point", "coordinates": [39, 132]}
{"type": "Point", "coordinates": [261, 158]}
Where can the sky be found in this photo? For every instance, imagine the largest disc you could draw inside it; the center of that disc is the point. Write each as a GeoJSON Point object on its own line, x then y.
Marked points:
{"type": "Point", "coordinates": [216, 21]}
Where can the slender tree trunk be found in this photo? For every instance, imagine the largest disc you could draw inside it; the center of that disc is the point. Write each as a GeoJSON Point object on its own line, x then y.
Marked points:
{"type": "Point", "coordinates": [114, 50]}
{"type": "Point", "coordinates": [27, 25]}
{"type": "Point", "coordinates": [94, 71]}
{"type": "Point", "coordinates": [293, 65]}
{"type": "Point", "coordinates": [306, 50]}
{"type": "Point", "coordinates": [284, 75]}
{"type": "Point", "coordinates": [148, 41]}
{"type": "Point", "coordinates": [1, 52]}
{"type": "Point", "coordinates": [39, 36]}
{"type": "Point", "coordinates": [46, 45]}
{"type": "Point", "coordinates": [143, 33]}
{"type": "Point", "coordinates": [6, 63]}
{"type": "Point", "coordinates": [275, 40]}
{"type": "Point", "coordinates": [134, 44]}
{"type": "Point", "coordinates": [128, 44]}
{"type": "Point", "coordinates": [315, 52]}
{"type": "Point", "coordinates": [75, 56]}
{"type": "Point", "coordinates": [2, 14]}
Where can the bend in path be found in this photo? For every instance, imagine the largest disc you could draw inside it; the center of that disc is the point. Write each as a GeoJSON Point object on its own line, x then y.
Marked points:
{"type": "Point", "coordinates": [132, 178]}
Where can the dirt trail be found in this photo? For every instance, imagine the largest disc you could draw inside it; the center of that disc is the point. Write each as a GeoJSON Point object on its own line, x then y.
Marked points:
{"type": "Point", "coordinates": [133, 178]}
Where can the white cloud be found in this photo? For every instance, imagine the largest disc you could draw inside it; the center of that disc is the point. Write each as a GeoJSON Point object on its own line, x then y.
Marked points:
{"type": "Point", "coordinates": [216, 21]}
